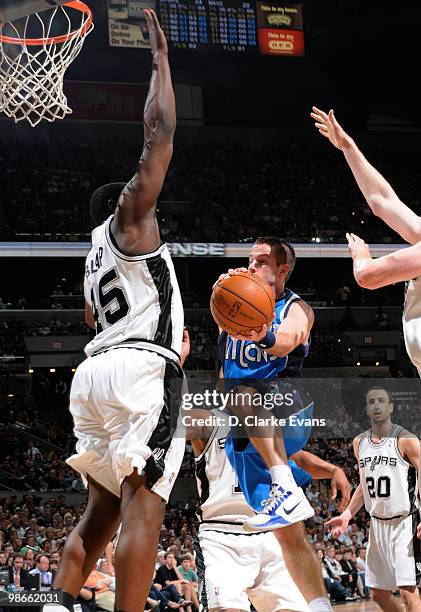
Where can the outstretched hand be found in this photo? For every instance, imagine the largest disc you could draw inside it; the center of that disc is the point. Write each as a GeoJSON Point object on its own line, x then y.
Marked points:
{"type": "Point", "coordinates": [330, 128]}
{"type": "Point", "coordinates": [357, 247]}
{"type": "Point", "coordinates": [156, 33]}
{"type": "Point", "coordinates": [338, 524]}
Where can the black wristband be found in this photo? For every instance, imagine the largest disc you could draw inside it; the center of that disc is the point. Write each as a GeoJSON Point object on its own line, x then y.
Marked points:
{"type": "Point", "coordinates": [268, 341]}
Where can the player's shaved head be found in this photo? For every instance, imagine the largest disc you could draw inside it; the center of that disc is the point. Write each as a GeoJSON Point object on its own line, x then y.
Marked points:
{"type": "Point", "coordinates": [104, 201]}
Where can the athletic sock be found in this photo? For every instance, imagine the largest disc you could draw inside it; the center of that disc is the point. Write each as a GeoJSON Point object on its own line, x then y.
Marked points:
{"type": "Point", "coordinates": [282, 476]}
{"type": "Point", "coordinates": [321, 604]}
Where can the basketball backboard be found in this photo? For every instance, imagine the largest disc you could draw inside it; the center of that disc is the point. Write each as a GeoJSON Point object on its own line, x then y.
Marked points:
{"type": "Point", "coordinates": [11, 10]}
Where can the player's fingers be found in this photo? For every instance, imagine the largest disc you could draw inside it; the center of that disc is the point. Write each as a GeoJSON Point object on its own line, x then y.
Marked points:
{"type": "Point", "coordinates": [155, 20]}
{"type": "Point", "coordinates": [317, 117]}
{"type": "Point", "coordinates": [334, 492]}
{"type": "Point", "coordinates": [320, 112]}
{"type": "Point", "coordinates": [333, 118]}
{"type": "Point", "coordinates": [320, 126]}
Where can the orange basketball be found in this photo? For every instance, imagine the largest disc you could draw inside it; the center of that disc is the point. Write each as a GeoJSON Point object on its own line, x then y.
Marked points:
{"type": "Point", "coordinates": [241, 303]}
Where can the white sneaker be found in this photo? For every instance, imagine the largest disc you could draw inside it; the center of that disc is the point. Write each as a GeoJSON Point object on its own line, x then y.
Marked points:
{"type": "Point", "coordinates": [281, 509]}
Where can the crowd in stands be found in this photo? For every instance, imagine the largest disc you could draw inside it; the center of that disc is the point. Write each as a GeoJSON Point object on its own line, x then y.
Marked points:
{"type": "Point", "coordinates": [236, 192]}
{"type": "Point", "coordinates": [33, 532]}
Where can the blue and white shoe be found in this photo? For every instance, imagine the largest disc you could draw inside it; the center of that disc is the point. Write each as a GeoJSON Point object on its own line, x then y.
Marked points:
{"type": "Point", "coordinates": [282, 508]}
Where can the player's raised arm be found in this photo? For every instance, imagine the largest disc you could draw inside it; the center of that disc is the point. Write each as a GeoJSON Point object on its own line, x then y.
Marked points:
{"type": "Point", "coordinates": [396, 267]}
{"type": "Point", "coordinates": [134, 226]}
{"type": "Point", "coordinates": [378, 193]}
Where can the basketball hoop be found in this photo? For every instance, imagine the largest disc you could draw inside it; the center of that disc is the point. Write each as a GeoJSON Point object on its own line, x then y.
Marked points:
{"type": "Point", "coordinates": [32, 67]}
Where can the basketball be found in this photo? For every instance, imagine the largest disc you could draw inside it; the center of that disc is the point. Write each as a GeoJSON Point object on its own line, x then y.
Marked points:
{"type": "Point", "coordinates": [241, 303]}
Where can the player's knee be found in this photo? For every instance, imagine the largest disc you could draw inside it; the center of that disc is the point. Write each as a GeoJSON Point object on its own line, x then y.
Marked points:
{"type": "Point", "coordinates": [380, 595]}
{"type": "Point", "coordinates": [409, 595]}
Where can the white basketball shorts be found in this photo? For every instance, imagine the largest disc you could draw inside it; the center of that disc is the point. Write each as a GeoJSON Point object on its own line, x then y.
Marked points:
{"type": "Point", "coordinates": [239, 569]}
{"type": "Point", "coordinates": [125, 404]}
{"type": "Point", "coordinates": [393, 554]}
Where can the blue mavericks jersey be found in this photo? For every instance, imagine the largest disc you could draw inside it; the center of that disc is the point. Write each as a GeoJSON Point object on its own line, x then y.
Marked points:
{"type": "Point", "coordinates": [243, 359]}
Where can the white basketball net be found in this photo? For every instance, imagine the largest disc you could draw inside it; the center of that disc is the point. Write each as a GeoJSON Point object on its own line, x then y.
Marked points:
{"type": "Point", "coordinates": [32, 75]}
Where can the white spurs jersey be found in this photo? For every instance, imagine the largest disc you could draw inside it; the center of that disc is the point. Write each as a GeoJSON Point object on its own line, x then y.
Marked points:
{"type": "Point", "coordinates": [136, 300]}
{"type": "Point", "coordinates": [411, 321]}
{"type": "Point", "coordinates": [389, 482]}
{"type": "Point", "coordinates": [222, 504]}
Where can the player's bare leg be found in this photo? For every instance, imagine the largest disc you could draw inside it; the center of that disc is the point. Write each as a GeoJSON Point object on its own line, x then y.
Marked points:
{"type": "Point", "coordinates": [302, 563]}
{"type": "Point", "coordinates": [142, 514]}
{"type": "Point", "coordinates": [385, 600]}
{"type": "Point", "coordinates": [88, 539]}
{"type": "Point", "coordinates": [410, 596]}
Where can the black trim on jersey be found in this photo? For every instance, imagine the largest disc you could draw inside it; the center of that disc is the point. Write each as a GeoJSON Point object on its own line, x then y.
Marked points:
{"type": "Point", "coordinates": [416, 544]}
{"type": "Point", "coordinates": [129, 340]}
{"type": "Point", "coordinates": [398, 450]}
{"type": "Point", "coordinates": [412, 489]}
{"type": "Point", "coordinates": [295, 298]}
{"type": "Point", "coordinates": [235, 533]}
{"type": "Point", "coordinates": [161, 277]}
{"type": "Point", "coordinates": [216, 522]}
{"type": "Point", "coordinates": [201, 570]}
{"type": "Point", "coordinates": [163, 433]}
{"type": "Point", "coordinates": [200, 471]}
{"type": "Point", "coordinates": [207, 445]}
{"type": "Point", "coordinates": [121, 254]}
{"type": "Point", "coordinates": [222, 346]}
{"type": "Point", "coordinates": [386, 518]}
{"type": "Point", "coordinates": [391, 435]}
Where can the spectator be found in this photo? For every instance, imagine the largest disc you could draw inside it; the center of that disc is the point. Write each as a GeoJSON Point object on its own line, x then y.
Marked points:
{"type": "Point", "coordinates": [336, 590]}
{"type": "Point", "coordinates": [362, 568]}
{"type": "Point", "coordinates": [42, 568]}
{"type": "Point", "coordinates": [172, 582]}
{"type": "Point", "coordinates": [3, 559]}
{"type": "Point", "coordinates": [17, 574]}
{"type": "Point", "coordinates": [30, 544]}
{"type": "Point", "coordinates": [190, 575]}
{"type": "Point", "coordinates": [344, 295]}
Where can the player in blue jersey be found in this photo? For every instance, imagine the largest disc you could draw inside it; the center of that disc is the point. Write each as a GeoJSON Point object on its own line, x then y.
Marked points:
{"type": "Point", "coordinates": [252, 365]}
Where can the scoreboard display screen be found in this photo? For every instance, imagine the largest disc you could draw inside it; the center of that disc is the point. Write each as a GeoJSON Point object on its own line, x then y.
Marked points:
{"type": "Point", "coordinates": [257, 27]}
{"type": "Point", "coordinates": [195, 24]}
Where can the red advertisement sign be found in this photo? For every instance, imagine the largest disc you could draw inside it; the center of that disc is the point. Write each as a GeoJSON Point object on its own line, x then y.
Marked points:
{"type": "Point", "coordinates": [281, 42]}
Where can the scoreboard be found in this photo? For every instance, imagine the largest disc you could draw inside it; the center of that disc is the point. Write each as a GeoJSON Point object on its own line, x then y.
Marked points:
{"type": "Point", "coordinates": [192, 24]}
{"type": "Point", "coordinates": [257, 27]}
